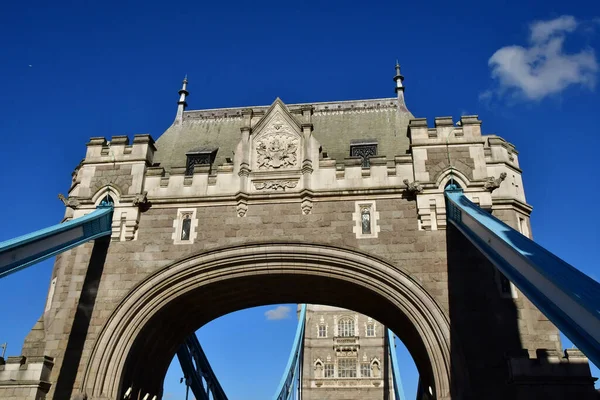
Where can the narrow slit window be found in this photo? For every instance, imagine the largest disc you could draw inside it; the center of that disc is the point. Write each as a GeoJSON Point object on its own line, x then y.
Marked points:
{"type": "Point", "coordinates": [186, 225]}
{"type": "Point", "coordinates": [504, 284]}
{"type": "Point", "coordinates": [365, 217]}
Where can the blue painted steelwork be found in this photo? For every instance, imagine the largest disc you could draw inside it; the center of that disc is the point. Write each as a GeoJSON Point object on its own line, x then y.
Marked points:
{"type": "Point", "coordinates": [23, 251]}
{"type": "Point", "coordinates": [294, 364]}
{"type": "Point", "coordinates": [198, 372]}
{"type": "Point", "coordinates": [398, 389]}
{"type": "Point", "coordinates": [569, 298]}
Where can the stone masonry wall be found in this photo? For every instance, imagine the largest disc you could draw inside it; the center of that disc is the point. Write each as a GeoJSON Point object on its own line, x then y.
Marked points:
{"type": "Point", "coordinates": [421, 253]}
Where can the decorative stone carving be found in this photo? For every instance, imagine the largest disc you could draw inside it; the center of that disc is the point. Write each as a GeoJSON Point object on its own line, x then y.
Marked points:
{"type": "Point", "coordinates": [279, 184]}
{"type": "Point", "coordinates": [141, 200]}
{"type": "Point", "coordinates": [278, 145]}
{"type": "Point", "coordinates": [277, 151]}
{"type": "Point", "coordinates": [492, 184]}
{"type": "Point", "coordinates": [413, 187]}
{"type": "Point", "coordinates": [70, 202]}
{"type": "Point", "coordinates": [376, 370]}
{"type": "Point", "coordinates": [242, 208]}
{"type": "Point", "coordinates": [318, 369]}
{"type": "Point", "coordinates": [307, 206]}
{"type": "Point", "coordinates": [364, 151]}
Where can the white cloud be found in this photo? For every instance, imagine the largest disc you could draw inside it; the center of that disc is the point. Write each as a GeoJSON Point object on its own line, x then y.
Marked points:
{"type": "Point", "coordinates": [542, 30]}
{"type": "Point", "coordinates": [279, 312]}
{"type": "Point", "coordinates": [543, 68]}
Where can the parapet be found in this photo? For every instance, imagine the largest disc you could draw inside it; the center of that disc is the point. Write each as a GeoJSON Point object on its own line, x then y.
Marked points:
{"type": "Point", "coordinates": [551, 366]}
{"type": "Point", "coordinates": [467, 129]}
{"type": "Point", "coordinates": [20, 369]}
{"type": "Point", "coordinates": [100, 150]}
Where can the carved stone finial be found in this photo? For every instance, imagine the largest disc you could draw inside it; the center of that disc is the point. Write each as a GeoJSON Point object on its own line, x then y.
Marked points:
{"type": "Point", "coordinates": [413, 187]}
{"type": "Point", "coordinates": [70, 202]}
{"type": "Point", "coordinates": [492, 184]}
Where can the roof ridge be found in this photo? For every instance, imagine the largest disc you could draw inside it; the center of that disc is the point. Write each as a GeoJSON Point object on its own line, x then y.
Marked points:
{"type": "Point", "coordinates": [318, 103]}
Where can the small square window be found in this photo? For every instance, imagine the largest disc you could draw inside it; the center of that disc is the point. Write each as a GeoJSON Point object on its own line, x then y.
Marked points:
{"type": "Point", "coordinates": [363, 149]}
{"type": "Point", "coordinates": [371, 330]}
{"type": "Point", "coordinates": [200, 156]}
{"type": "Point", "coordinates": [347, 367]}
{"type": "Point", "coordinates": [322, 331]}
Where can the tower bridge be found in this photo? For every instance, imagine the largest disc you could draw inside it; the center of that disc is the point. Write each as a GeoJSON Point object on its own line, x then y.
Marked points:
{"type": "Point", "coordinates": [353, 204]}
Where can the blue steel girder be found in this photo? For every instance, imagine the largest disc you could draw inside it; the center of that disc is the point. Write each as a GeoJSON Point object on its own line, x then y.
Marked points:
{"type": "Point", "coordinates": [294, 364]}
{"type": "Point", "coordinates": [569, 298]}
{"type": "Point", "coordinates": [398, 389]}
{"type": "Point", "coordinates": [191, 353]}
{"type": "Point", "coordinates": [26, 250]}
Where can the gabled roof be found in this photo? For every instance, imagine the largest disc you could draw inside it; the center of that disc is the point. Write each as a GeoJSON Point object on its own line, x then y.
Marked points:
{"type": "Point", "coordinates": [336, 125]}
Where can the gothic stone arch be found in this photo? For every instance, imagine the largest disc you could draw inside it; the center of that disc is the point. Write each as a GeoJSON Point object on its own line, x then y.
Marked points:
{"type": "Point", "coordinates": [131, 351]}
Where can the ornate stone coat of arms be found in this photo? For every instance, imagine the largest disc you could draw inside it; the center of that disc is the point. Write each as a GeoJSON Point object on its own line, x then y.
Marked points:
{"type": "Point", "coordinates": [277, 151]}
{"type": "Point", "coordinates": [277, 148]}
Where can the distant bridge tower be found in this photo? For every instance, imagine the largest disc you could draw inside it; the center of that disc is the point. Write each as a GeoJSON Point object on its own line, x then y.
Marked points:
{"type": "Point", "coordinates": [345, 356]}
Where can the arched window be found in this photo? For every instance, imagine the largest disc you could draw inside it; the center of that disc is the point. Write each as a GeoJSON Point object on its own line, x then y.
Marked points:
{"type": "Point", "coordinates": [453, 182]}
{"type": "Point", "coordinates": [107, 200]}
{"type": "Point", "coordinates": [370, 331]}
{"type": "Point", "coordinates": [346, 327]}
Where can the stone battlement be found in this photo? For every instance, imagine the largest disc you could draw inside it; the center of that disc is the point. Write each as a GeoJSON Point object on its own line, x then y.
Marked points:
{"type": "Point", "coordinates": [550, 365]}
{"type": "Point", "coordinates": [118, 149]}
{"type": "Point", "coordinates": [25, 377]}
{"type": "Point", "coordinates": [126, 172]}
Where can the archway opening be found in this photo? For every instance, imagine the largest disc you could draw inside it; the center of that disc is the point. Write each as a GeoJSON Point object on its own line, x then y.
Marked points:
{"type": "Point", "coordinates": [248, 350]}
{"type": "Point", "coordinates": [139, 341]}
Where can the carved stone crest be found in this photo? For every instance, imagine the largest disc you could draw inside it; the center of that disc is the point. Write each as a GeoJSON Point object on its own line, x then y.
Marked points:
{"type": "Point", "coordinates": [278, 145]}
{"type": "Point", "coordinates": [277, 151]}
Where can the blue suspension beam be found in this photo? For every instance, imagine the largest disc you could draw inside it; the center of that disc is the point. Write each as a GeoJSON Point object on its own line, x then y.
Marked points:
{"type": "Point", "coordinates": [23, 251]}
{"type": "Point", "coordinates": [293, 368]}
{"type": "Point", "coordinates": [569, 298]}
{"type": "Point", "coordinates": [198, 371]}
{"type": "Point", "coordinates": [398, 389]}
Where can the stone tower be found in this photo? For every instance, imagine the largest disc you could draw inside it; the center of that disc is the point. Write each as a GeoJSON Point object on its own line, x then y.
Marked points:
{"type": "Point", "coordinates": [338, 203]}
{"type": "Point", "coordinates": [345, 356]}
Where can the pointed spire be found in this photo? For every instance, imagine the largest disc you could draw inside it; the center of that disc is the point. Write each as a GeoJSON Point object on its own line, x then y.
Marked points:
{"type": "Point", "coordinates": [182, 104]}
{"type": "Point", "coordinates": [399, 78]}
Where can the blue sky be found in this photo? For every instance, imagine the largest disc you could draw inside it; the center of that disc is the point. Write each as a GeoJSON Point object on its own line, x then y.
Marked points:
{"type": "Point", "coordinates": [73, 70]}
